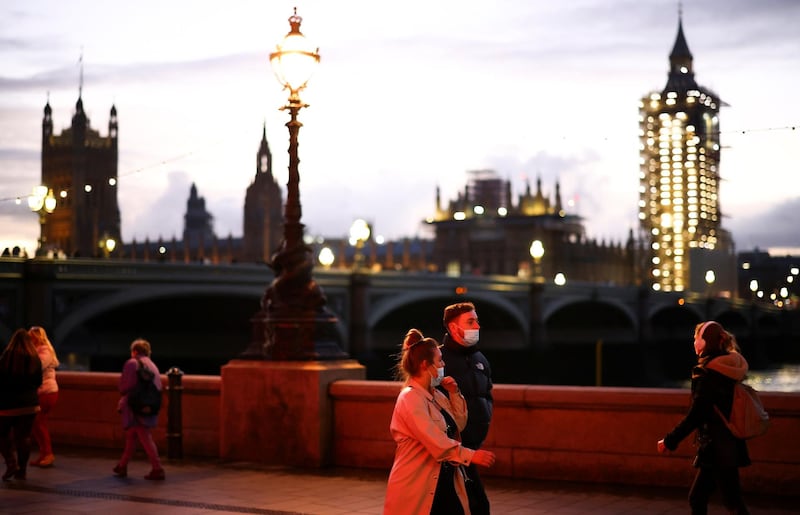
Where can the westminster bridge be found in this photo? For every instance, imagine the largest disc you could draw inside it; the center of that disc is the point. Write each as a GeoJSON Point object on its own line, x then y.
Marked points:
{"type": "Point", "coordinates": [198, 316]}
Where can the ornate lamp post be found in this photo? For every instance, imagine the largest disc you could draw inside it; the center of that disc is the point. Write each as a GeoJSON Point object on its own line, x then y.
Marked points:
{"type": "Point", "coordinates": [43, 202]}
{"type": "Point", "coordinates": [710, 278]}
{"type": "Point", "coordinates": [293, 323]}
{"type": "Point", "coordinates": [107, 245]}
{"type": "Point", "coordinates": [359, 234]}
{"type": "Point", "coordinates": [326, 257]}
{"type": "Point", "coordinates": [537, 251]}
{"type": "Point", "coordinates": [536, 315]}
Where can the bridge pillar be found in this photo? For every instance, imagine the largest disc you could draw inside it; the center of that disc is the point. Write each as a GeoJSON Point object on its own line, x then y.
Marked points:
{"type": "Point", "coordinates": [38, 293]}
{"type": "Point", "coordinates": [649, 353]}
{"type": "Point", "coordinates": [359, 347]}
{"type": "Point", "coordinates": [537, 334]}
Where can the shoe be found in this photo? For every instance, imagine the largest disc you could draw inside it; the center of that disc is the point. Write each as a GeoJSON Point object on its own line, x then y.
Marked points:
{"type": "Point", "coordinates": [20, 474]}
{"type": "Point", "coordinates": [35, 462]}
{"type": "Point", "coordinates": [46, 461]}
{"type": "Point", "coordinates": [120, 471]}
{"type": "Point", "coordinates": [156, 474]}
{"type": "Point", "coordinates": [11, 470]}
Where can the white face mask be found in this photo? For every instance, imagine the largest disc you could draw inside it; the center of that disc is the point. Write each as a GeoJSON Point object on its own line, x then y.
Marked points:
{"type": "Point", "coordinates": [471, 337]}
{"type": "Point", "coordinates": [436, 381]}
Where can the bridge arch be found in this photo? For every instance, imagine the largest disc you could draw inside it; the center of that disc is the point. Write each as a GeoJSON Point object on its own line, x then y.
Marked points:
{"type": "Point", "coordinates": [126, 296]}
{"type": "Point", "coordinates": [556, 305]}
{"type": "Point", "coordinates": [391, 303]}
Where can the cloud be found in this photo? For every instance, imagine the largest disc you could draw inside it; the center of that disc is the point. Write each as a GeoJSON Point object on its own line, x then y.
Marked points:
{"type": "Point", "coordinates": [774, 227]}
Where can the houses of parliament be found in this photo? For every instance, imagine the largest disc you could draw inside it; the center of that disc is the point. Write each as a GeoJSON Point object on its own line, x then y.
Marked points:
{"type": "Point", "coordinates": [487, 229]}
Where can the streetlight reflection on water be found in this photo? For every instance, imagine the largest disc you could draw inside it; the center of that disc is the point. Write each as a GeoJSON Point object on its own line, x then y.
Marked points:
{"type": "Point", "coordinates": [783, 379]}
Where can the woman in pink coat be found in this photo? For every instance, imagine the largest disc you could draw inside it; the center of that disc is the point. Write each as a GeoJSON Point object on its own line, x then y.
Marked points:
{"type": "Point", "coordinates": [428, 471]}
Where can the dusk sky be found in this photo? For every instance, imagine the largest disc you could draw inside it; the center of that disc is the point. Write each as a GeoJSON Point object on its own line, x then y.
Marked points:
{"type": "Point", "coordinates": [408, 96]}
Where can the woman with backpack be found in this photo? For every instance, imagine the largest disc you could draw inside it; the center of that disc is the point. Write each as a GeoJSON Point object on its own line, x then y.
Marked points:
{"type": "Point", "coordinates": [719, 453]}
{"type": "Point", "coordinates": [137, 425]}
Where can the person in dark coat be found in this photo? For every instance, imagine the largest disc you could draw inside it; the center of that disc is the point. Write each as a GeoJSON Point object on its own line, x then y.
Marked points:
{"type": "Point", "coordinates": [469, 367]}
{"type": "Point", "coordinates": [20, 378]}
{"type": "Point", "coordinates": [719, 454]}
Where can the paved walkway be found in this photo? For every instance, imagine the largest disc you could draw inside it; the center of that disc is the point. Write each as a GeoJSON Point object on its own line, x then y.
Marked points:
{"type": "Point", "coordinates": [81, 482]}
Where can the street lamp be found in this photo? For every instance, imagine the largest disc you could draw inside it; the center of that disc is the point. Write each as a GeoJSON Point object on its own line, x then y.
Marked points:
{"type": "Point", "coordinates": [710, 278]}
{"type": "Point", "coordinates": [326, 257]}
{"type": "Point", "coordinates": [43, 202]}
{"type": "Point", "coordinates": [536, 302]}
{"type": "Point", "coordinates": [537, 251]}
{"type": "Point", "coordinates": [107, 244]}
{"type": "Point", "coordinates": [359, 234]}
{"type": "Point", "coordinates": [294, 323]}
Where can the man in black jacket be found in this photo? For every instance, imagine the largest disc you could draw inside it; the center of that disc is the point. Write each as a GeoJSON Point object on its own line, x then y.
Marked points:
{"type": "Point", "coordinates": [470, 368]}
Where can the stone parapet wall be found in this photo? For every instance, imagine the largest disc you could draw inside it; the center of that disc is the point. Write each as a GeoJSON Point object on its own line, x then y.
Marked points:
{"type": "Point", "coordinates": [86, 413]}
{"type": "Point", "coordinates": [593, 434]}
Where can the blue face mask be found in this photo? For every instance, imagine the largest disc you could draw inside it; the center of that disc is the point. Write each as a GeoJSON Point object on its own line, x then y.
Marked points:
{"type": "Point", "coordinates": [436, 381]}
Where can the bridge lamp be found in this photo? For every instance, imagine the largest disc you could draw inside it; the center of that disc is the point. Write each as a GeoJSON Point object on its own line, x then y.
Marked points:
{"type": "Point", "coordinates": [326, 257]}
{"type": "Point", "coordinates": [537, 252]}
{"type": "Point", "coordinates": [753, 288]}
{"type": "Point", "coordinates": [294, 323]}
{"type": "Point", "coordinates": [560, 279]}
{"type": "Point", "coordinates": [107, 245]}
{"type": "Point", "coordinates": [359, 234]}
{"type": "Point", "coordinates": [710, 278]}
{"type": "Point", "coordinates": [43, 202]}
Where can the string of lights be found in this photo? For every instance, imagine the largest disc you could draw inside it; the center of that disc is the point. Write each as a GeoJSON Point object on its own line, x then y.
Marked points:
{"type": "Point", "coordinates": [18, 198]}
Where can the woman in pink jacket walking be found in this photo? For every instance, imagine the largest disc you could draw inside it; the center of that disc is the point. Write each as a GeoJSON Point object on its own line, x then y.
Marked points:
{"type": "Point", "coordinates": [428, 471]}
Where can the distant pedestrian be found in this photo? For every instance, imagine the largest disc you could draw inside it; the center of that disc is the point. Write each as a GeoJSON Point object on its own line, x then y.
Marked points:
{"type": "Point", "coordinates": [48, 396]}
{"type": "Point", "coordinates": [137, 427]}
{"type": "Point", "coordinates": [20, 377]}
{"type": "Point", "coordinates": [465, 362]}
{"type": "Point", "coordinates": [719, 453]}
{"type": "Point", "coordinates": [427, 475]}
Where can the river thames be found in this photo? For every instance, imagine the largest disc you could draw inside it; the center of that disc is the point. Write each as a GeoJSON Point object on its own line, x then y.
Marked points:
{"type": "Point", "coordinates": [783, 379]}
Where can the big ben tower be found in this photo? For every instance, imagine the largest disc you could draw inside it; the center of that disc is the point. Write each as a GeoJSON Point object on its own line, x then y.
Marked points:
{"type": "Point", "coordinates": [679, 181]}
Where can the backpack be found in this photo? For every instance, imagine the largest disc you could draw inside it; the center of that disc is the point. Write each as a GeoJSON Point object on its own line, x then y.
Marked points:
{"type": "Point", "coordinates": [144, 398]}
{"type": "Point", "coordinates": [748, 417]}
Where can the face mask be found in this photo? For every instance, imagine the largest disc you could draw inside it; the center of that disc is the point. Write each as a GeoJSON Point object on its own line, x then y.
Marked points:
{"type": "Point", "coordinates": [471, 337]}
{"type": "Point", "coordinates": [436, 381]}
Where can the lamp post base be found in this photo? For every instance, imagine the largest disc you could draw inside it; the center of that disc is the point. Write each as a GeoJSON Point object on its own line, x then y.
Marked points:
{"type": "Point", "coordinates": [308, 337]}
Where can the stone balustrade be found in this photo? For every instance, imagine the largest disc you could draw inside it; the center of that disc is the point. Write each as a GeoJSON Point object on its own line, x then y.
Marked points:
{"type": "Point", "coordinates": [592, 434]}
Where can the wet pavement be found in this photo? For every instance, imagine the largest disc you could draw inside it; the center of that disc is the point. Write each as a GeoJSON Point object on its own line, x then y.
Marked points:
{"type": "Point", "coordinates": [81, 482]}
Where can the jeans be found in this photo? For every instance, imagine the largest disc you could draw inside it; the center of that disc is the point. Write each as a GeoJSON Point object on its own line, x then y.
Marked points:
{"type": "Point", "coordinates": [144, 436]}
